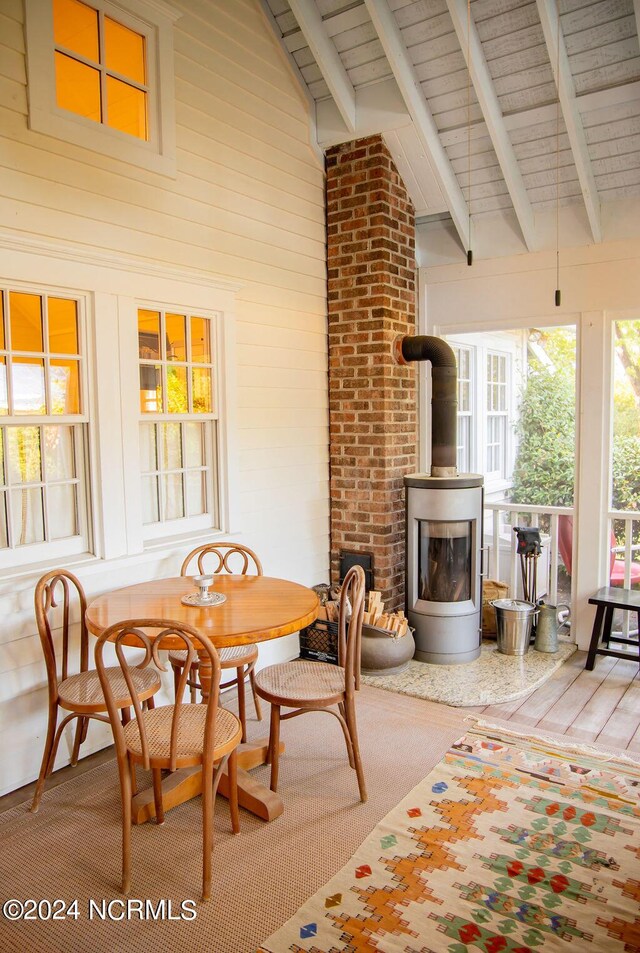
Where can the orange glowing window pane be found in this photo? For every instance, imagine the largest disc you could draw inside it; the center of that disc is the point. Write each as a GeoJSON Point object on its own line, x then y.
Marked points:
{"type": "Point", "coordinates": [75, 26]}
{"type": "Point", "coordinates": [77, 87]}
{"type": "Point", "coordinates": [176, 339]}
{"type": "Point", "coordinates": [124, 51]}
{"type": "Point", "coordinates": [150, 389]}
{"type": "Point", "coordinates": [26, 321]}
{"type": "Point", "coordinates": [63, 326]}
{"type": "Point", "coordinates": [177, 398]}
{"type": "Point", "coordinates": [4, 393]}
{"type": "Point", "coordinates": [201, 389]}
{"type": "Point", "coordinates": [64, 381]}
{"type": "Point", "coordinates": [200, 341]}
{"type": "Point", "coordinates": [126, 108]}
{"type": "Point", "coordinates": [148, 335]}
{"type": "Point", "coordinates": [1, 322]}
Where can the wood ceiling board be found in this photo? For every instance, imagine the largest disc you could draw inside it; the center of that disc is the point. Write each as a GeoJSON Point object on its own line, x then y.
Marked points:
{"type": "Point", "coordinates": [506, 64]}
{"type": "Point", "coordinates": [606, 55]}
{"type": "Point", "coordinates": [546, 178]}
{"type": "Point", "coordinates": [355, 37]}
{"type": "Point", "coordinates": [512, 21]}
{"type": "Point", "coordinates": [414, 13]}
{"type": "Point", "coordinates": [278, 7]}
{"type": "Point", "coordinates": [439, 85]}
{"type": "Point", "coordinates": [528, 98]}
{"type": "Point", "coordinates": [543, 197]}
{"type": "Point", "coordinates": [428, 30]}
{"type": "Point", "coordinates": [484, 9]}
{"type": "Point", "coordinates": [457, 118]}
{"type": "Point", "coordinates": [543, 147]}
{"type": "Point", "coordinates": [541, 163]}
{"type": "Point", "coordinates": [611, 165]}
{"type": "Point", "coordinates": [615, 75]}
{"type": "Point", "coordinates": [611, 195]}
{"type": "Point", "coordinates": [630, 177]}
{"type": "Point", "coordinates": [514, 43]}
{"type": "Point", "coordinates": [479, 162]}
{"type": "Point", "coordinates": [420, 203]}
{"type": "Point", "coordinates": [367, 52]}
{"type": "Point", "coordinates": [601, 108]}
{"type": "Point", "coordinates": [319, 90]}
{"type": "Point", "coordinates": [625, 145]}
{"type": "Point", "coordinates": [374, 72]}
{"type": "Point", "coordinates": [601, 35]}
{"type": "Point", "coordinates": [586, 16]}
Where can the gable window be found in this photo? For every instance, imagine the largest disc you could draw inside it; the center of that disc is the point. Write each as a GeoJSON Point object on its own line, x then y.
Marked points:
{"type": "Point", "coordinates": [178, 431]}
{"type": "Point", "coordinates": [43, 427]}
{"type": "Point", "coordinates": [100, 67]}
{"type": "Point", "coordinates": [100, 75]}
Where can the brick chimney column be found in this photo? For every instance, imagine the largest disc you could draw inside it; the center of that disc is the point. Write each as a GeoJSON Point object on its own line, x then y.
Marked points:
{"type": "Point", "coordinates": [372, 400]}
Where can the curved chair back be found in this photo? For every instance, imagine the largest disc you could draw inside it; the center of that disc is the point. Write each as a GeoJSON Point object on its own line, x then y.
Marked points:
{"type": "Point", "coordinates": [54, 590]}
{"type": "Point", "coordinates": [122, 633]}
{"type": "Point", "coordinates": [232, 558]}
{"type": "Point", "coordinates": [350, 630]}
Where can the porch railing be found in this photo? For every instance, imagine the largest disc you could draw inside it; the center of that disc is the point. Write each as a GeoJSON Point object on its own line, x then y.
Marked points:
{"type": "Point", "coordinates": [497, 541]}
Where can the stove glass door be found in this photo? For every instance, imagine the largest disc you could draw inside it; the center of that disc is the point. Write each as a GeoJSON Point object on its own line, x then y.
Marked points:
{"type": "Point", "coordinates": [444, 560]}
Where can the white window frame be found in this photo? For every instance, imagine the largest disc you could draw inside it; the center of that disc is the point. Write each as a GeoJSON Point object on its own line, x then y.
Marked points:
{"type": "Point", "coordinates": [211, 520]}
{"type": "Point", "coordinates": [153, 19]}
{"type": "Point", "coordinates": [492, 414]}
{"type": "Point", "coordinates": [53, 551]}
{"type": "Point", "coordinates": [465, 418]}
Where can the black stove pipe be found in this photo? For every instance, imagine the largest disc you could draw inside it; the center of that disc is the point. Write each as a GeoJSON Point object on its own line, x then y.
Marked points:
{"type": "Point", "coordinates": [444, 396]}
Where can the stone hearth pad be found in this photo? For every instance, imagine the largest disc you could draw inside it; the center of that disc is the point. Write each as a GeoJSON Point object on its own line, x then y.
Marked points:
{"type": "Point", "coordinates": [493, 678]}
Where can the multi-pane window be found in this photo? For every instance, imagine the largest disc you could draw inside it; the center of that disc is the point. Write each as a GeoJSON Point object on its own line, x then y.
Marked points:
{"type": "Point", "coordinates": [463, 360]}
{"type": "Point", "coordinates": [42, 425]}
{"type": "Point", "coordinates": [497, 413]}
{"type": "Point", "coordinates": [100, 67]}
{"type": "Point", "coordinates": [178, 408]}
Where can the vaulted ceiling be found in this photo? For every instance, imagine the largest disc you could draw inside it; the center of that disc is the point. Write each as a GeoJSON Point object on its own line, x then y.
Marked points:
{"type": "Point", "coordinates": [487, 107]}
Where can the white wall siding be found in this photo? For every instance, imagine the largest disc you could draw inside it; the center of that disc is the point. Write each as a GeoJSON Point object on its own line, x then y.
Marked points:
{"type": "Point", "coordinates": [247, 204]}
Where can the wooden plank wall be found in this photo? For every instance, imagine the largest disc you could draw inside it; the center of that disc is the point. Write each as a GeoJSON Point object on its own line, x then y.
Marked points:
{"type": "Point", "coordinates": [247, 204]}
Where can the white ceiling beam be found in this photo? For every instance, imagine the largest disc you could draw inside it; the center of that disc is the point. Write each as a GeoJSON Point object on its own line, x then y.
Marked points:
{"type": "Point", "coordinates": [557, 51]}
{"type": "Point", "coordinates": [396, 52]}
{"type": "Point", "coordinates": [327, 58]}
{"type": "Point", "coordinates": [488, 99]}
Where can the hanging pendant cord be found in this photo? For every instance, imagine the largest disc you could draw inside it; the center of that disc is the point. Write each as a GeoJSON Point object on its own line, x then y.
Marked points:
{"type": "Point", "coordinates": [469, 251]}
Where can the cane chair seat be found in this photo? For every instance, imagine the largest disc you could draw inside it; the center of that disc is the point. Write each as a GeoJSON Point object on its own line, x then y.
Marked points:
{"type": "Point", "coordinates": [230, 657]}
{"type": "Point", "coordinates": [190, 740]}
{"type": "Point", "coordinates": [305, 685]}
{"type": "Point", "coordinates": [83, 692]}
{"type": "Point", "coordinates": [301, 681]}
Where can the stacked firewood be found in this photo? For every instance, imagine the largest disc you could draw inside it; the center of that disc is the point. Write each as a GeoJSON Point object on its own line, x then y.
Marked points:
{"type": "Point", "coordinates": [395, 623]}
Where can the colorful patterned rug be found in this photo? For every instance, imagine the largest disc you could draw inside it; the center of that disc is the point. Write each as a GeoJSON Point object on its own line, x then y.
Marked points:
{"type": "Point", "coordinates": [511, 844]}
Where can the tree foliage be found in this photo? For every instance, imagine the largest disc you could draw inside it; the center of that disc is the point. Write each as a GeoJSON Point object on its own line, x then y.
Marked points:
{"type": "Point", "coordinates": [544, 468]}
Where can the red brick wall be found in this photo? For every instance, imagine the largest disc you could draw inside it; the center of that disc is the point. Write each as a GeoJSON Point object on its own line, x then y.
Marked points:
{"type": "Point", "coordinates": [372, 400]}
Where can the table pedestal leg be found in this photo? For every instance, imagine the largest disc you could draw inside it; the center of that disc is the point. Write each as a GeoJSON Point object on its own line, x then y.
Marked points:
{"type": "Point", "coordinates": [186, 783]}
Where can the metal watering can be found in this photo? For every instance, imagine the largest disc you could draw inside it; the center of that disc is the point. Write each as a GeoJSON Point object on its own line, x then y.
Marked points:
{"type": "Point", "coordinates": [550, 619]}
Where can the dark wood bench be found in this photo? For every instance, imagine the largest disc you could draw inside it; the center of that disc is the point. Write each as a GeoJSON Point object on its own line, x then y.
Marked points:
{"type": "Point", "coordinates": [607, 600]}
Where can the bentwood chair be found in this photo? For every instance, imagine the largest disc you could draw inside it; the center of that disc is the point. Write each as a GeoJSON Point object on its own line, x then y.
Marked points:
{"type": "Point", "coordinates": [305, 685]}
{"type": "Point", "coordinates": [228, 558]}
{"type": "Point", "coordinates": [171, 736]}
{"type": "Point", "coordinates": [80, 694]}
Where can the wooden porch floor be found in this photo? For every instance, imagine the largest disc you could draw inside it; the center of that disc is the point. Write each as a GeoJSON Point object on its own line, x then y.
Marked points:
{"type": "Point", "coordinates": [601, 706]}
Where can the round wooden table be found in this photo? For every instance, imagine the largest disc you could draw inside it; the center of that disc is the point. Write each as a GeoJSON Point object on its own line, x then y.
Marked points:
{"type": "Point", "coordinates": [257, 609]}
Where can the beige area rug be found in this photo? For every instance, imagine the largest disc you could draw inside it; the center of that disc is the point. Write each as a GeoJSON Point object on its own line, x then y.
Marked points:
{"type": "Point", "coordinates": [511, 844]}
{"type": "Point", "coordinates": [71, 848]}
{"type": "Point", "coordinates": [493, 678]}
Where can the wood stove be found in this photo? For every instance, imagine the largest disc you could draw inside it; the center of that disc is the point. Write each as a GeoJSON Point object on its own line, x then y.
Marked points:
{"type": "Point", "coordinates": [444, 525]}
{"type": "Point", "coordinates": [444, 591]}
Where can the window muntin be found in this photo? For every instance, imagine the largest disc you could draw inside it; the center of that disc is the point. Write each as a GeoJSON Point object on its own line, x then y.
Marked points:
{"type": "Point", "coordinates": [178, 437]}
{"type": "Point", "coordinates": [100, 68]}
{"type": "Point", "coordinates": [42, 427]}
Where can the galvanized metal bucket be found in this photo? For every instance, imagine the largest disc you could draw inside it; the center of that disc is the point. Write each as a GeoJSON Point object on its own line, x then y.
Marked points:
{"type": "Point", "coordinates": [514, 622]}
